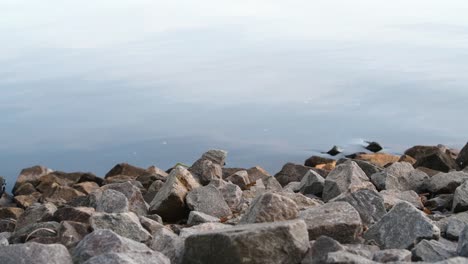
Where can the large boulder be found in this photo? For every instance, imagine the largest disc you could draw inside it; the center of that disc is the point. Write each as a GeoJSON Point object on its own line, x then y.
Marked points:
{"type": "Point", "coordinates": [279, 242]}
{"type": "Point", "coordinates": [293, 172]}
{"type": "Point", "coordinates": [169, 202]}
{"type": "Point", "coordinates": [270, 207]}
{"type": "Point", "coordinates": [439, 161]}
{"type": "Point", "coordinates": [402, 227]}
{"type": "Point", "coordinates": [125, 224]}
{"type": "Point", "coordinates": [34, 253]}
{"type": "Point", "coordinates": [168, 243]}
{"type": "Point", "coordinates": [433, 250]}
{"type": "Point", "coordinates": [338, 220]}
{"type": "Point", "coordinates": [208, 200]}
{"type": "Point", "coordinates": [346, 177]}
{"type": "Point", "coordinates": [400, 176]}
{"type": "Point", "coordinates": [447, 182]}
{"type": "Point", "coordinates": [108, 201]}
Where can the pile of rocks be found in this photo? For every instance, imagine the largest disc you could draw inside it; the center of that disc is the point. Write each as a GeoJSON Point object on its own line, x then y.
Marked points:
{"type": "Point", "coordinates": [368, 208]}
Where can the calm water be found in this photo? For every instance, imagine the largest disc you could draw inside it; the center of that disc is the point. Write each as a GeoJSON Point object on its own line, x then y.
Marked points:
{"type": "Point", "coordinates": [85, 86]}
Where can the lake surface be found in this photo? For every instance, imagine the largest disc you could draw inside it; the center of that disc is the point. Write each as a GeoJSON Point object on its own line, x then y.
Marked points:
{"type": "Point", "coordinates": [86, 86]}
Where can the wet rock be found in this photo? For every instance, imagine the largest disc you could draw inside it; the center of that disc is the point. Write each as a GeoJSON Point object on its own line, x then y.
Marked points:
{"type": "Point", "coordinates": [209, 166]}
{"type": "Point", "coordinates": [126, 169]}
{"type": "Point", "coordinates": [36, 213]}
{"type": "Point", "coordinates": [31, 175]}
{"type": "Point", "coordinates": [433, 250]}
{"type": "Point", "coordinates": [10, 212]}
{"type": "Point", "coordinates": [186, 232]}
{"type": "Point", "coordinates": [86, 187]}
{"type": "Point", "coordinates": [76, 214]}
{"type": "Point", "coordinates": [196, 218]}
{"type": "Point", "coordinates": [460, 198]}
{"type": "Point", "coordinates": [35, 230]}
{"type": "Point", "coordinates": [438, 160]}
{"type": "Point", "coordinates": [169, 244]}
{"type": "Point", "coordinates": [124, 224]}
{"type": "Point", "coordinates": [292, 172]}
{"type": "Point", "coordinates": [287, 243]}
{"type": "Point", "coordinates": [346, 177]}
{"type": "Point", "coordinates": [109, 201]}
{"type": "Point", "coordinates": [35, 253]}
{"type": "Point", "coordinates": [441, 202]}
{"type": "Point", "coordinates": [136, 202]}
{"type": "Point", "coordinates": [338, 220]}
{"type": "Point", "coordinates": [447, 182]}
{"type": "Point", "coordinates": [208, 200]}
{"type": "Point", "coordinates": [270, 207]}
{"type": "Point", "coordinates": [401, 228]}
{"type": "Point", "coordinates": [368, 203]}
{"type": "Point", "coordinates": [105, 241]}
{"type": "Point", "coordinates": [392, 255]}
{"type": "Point", "coordinates": [312, 183]}
{"type": "Point", "coordinates": [149, 257]}
{"type": "Point", "coordinates": [232, 193]}
{"type": "Point", "coordinates": [400, 176]}
{"type": "Point", "coordinates": [392, 197]}
{"type": "Point", "coordinates": [169, 202]}
{"type": "Point", "coordinates": [240, 178]}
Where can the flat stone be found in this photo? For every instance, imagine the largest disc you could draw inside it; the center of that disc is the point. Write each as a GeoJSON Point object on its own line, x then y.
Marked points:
{"type": "Point", "coordinates": [24, 201]}
{"type": "Point", "coordinates": [124, 224]}
{"type": "Point", "coordinates": [338, 220]}
{"type": "Point", "coordinates": [35, 253]}
{"type": "Point", "coordinates": [402, 227]}
{"type": "Point", "coordinates": [287, 244]}
{"type": "Point", "coordinates": [149, 224]}
{"type": "Point", "coordinates": [378, 159]}
{"type": "Point", "coordinates": [270, 207]}
{"type": "Point", "coordinates": [347, 257]}
{"type": "Point", "coordinates": [208, 200]}
{"type": "Point", "coordinates": [367, 167]}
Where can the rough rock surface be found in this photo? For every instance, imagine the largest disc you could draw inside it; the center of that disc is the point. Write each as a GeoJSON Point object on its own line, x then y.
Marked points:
{"type": "Point", "coordinates": [312, 183]}
{"type": "Point", "coordinates": [34, 253]}
{"type": "Point", "coordinates": [292, 172]}
{"type": "Point", "coordinates": [124, 224]}
{"type": "Point", "coordinates": [400, 176]}
{"type": "Point", "coordinates": [433, 250]}
{"type": "Point", "coordinates": [447, 182]}
{"type": "Point", "coordinates": [136, 202]}
{"type": "Point", "coordinates": [196, 218]}
{"type": "Point", "coordinates": [208, 200]}
{"type": "Point", "coordinates": [168, 243]}
{"type": "Point", "coordinates": [460, 198]}
{"type": "Point", "coordinates": [270, 207]}
{"type": "Point", "coordinates": [392, 197]}
{"type": "Point", "coordinates": [149, 257]}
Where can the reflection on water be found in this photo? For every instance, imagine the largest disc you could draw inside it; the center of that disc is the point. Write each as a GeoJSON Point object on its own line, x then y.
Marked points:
{"type": "Point", "coordinates": [149, 82]}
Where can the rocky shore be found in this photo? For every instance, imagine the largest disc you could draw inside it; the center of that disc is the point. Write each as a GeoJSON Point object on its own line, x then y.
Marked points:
{"type": "Point", "coordinates": [365, 208]}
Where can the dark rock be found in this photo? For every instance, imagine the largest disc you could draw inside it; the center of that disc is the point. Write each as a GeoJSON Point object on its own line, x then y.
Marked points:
{"type": "Point", "coordinates": [293, 172]}
{"type": "Point", "coordinates": [7, 225]}
{"type": "Point", "coordinates": [257, 173]}
{"type": "Point", "coordinates": [31, 175]}
{"type": "Point", "coordinates": [462, 159]}
{"type": "Point", "coordinates": [373, 146]}
{"type": "Point", "coordinates": [441, 202]}
{"type": "Point", "coordinates": [126, 169]}
{"type": "Point", "coordinates": [418, 152]}
{"type": "Point", "coordinates": [230, 171]}
{"type": "Point", "coordinates": [401, 228]}
{"type": "Point", "coordinates": [70, 233]}
{"type": "Point", "coordinates": [270, 207]}
{"type": "Point", "coordinates": [318, 252]}
{"type": "Point", "coordinates": [433, 250]}
{"type": "Point", "coordinates": [312, 183]}
{"type": "Point", "coordinates": [35, 230]}
{"type": "Point", "coordinates": [208, 200]}
{"type": "Point", "coordinates": [392, 255]}
{"type": "Point", "coordinates": [454, 228]}
{"type": "Point", "coordinates": [439, 161]}
{"type": "Point", "coordinates": [460, 198]}
{"type": "Point", "coordinates": [317, 160]}
{"type": "Point", "coordinates": [447, 182]}
{"type": "Point", "coordinates": [124, 224]}
{"type": "Point", "coordinates": [240, 178]}
{"type": "Point", "coordinates": [287, 243]}
{"type": "Point", "coordinates": [25, 189]}
{"type": "Point", "coordinates": [334, 151]}
{"type": "Point", "coordinates": [35, 253]}
{"type": "Point", "coordinates": [36, 213]}
{"type": "Point", "coordinates": [75, 214]}
{"type": "Point", "coordinates": [10, 212]}
{"type": "Point", "coordinates": [89, 177]}
{"type": "Point", "coordinates": [168, 243]}
{"type": "Point", "coordinates": [153, 190]}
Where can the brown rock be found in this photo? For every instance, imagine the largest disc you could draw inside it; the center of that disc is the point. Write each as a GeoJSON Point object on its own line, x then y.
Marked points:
{"type": "Point", "coordinates": [36, 213]}
{"type": "Point", "coordinates": [407, 158]}
{"type": "Point", "coordinates": [230, 171]}
{"type": "Point", "coordinates": [10, 212]}
{"type": "Point", "coordinates": [126, 169]}
{"type": "Point", "coordinates": [61, 194]}
{"type": "Point", "coordinates": [89, 177]}
{"type": "Point", "coordinates": [24, 201]}
{"type": "Point", "coordinates": [294, 172]}
{"type": "Point", "coordinates": [379, 159]}
{"type": "Point", "coordinates": [31, 175]}
{"type": "Point", "coordinates": [70, 233]}
{"type": "Point", "coordinates": [257, 173]}
{"type": "Point", "coordinates": [75, 214]}
{"type": "Point", "coordinates": [25, 189]}
{"type": "Point", "coordinates": [419, 151]}
{"type": "Point", "coordinates": [86, 187]}
{"type": "Point", "coordinates": [314, 161]}
{"type": "Point", "coordinates": [240, 178]}
{"type": "Point", "coordinates": [7, 225]}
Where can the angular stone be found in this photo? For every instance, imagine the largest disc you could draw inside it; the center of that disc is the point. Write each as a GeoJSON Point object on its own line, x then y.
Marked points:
{"type": "Point", "coordinates": [407, 158]}
{"type": "Point", "coordinates": [60, 194]}
{"type": "Point", "coordinates": [270, 207]}
{"type": "Point", "coordinates": [186, 232]}
{"type": "Point", "coordinates": [454, 228]}
{"type": "Point", "coordinates": [314, 161]}
{"type": "Point", "coordinates": [31, 175]}
{"type": "Point", "coordinates": [367, 167]}
{"type": "Point", "coordinates": [338, 220]}
{"type": "Point", "coordinates": [196, 218]}
{"type": "Point", "coordinates": [419, 151]}
{"type": "Point", "coordinates": [10, 212]}
{"type": "Point", "coordinates": [400, 176]}
{"type": "Point", "coordinates": [109, 201]}
{"type": "Point", "coordinates": [456, 260]}
{"type": "Point", "coordinates": [287, 244]}
{"type": "Point", "coordinates": [346, 257]}
{"type": "Point", "coordinates": [369, 204]}
{"type": "Point", "coordinates": [442, 202]}
{"type": "Point", "coordinates": [136, 202]}
{"type": "Point", "coordinates": [447, 182]}
{"type": "Point", "coordinates": [169, 202]}
{"type": "Point", "coordinates": [89, 177]}
{"type": "Point", "coordinates": [271, 184]}
{"type": "Point", "coordinates": [35, 253]}
{"type": "Point", "coordinates": [292, 172]}
{"type": "Point", "coordinates": [392, 197]}
{"type": "Point", "coordinates": [462, 159]}
{"type": "Point", "coordinates": [232, 193]}
{"type": "Point", "coordinates": [439, 161]}
{"type": "Point", "coordinates": [346, 177]}
{"type": "Point", "coordinates": [126, 169]}
{"type": "Point", "coordinates": [124, 224]}
{"type": "Point", "coordinates": [312, 183]}
{"type": "Point", "coordinates": [24, 201]}
{"type": "Point", "coordinates": [149, 257]}
{"type": "Point", "coordinates": [240, 178]}
{"type": "Point", "coordinates": [25, 189]}
{"type": "Point", "coordinates": [460, 198]}
{"type": "Point", "coordinates": [36, 213]}
{"type": "Point", "coordinates": [433, 250]}
{"type": "Point", "coordinates": [292, 187]}
{"type": "Point", "coordinates": [209, 166]}
{"type": "Point", "coordinates": [70, 233]}
{"type": "Point", "coordinates": [460, 218]}
{"type": "Point", "coordinates": [392, 255]}
{"type": "Point", "coordinates": [35, 230]}
{"type": "Point", "coordinates": [153, 190]}
{"type": "Point", "coordinates": [208, 200]}
{"type": "Point", "coordinates": [379, 159]}
{"type": "Point", "coordinates": [149, 224]}
{"type": "Point", "coordinates": [257, 173]}
{"type": "Point", "coordinates": [402, 228]}
{"type": "Point", "coordinates": [320, 248]}
{"type": "Point", "coordinates": [303, 202]}
{"type": "Point", "coordinates": [86, 187]}
{"type": "Point", "coordinates": [105, 241]}
{"type": "Point", "coordinates": [169, 244]}
{"type": "Point", "coordinates": [76, 214]}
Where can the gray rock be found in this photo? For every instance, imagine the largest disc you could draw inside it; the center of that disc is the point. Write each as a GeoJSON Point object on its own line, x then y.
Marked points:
{"type": "Point", "coordinates": [443, 223]}
{"type": "Point", "coordinates": [456, 260]}
{"type": "Point", "coordinates": [441, 202]}
{"type": "Point", "coordinates": [35, 230]}
{"type": "Point", "coordinates": [287, 244]}
{"type": "Point", "coordinates": [454, 228]}
{"type": "Point", "coordinates": [153, 189]}
{"type": "Point", "coordinates": [186, 232]}
{"type": "Point", "coordinates": [392, 197]}
{"type": "Point", "coordinates": [209, 166]}
{"type": "Point", "coordinates": [292, 187]}
{"type": "Point", "coordinates": [392, 255]}
{"type": "Point", "coordinates": [196, 218]}
{"type": "Point", "coordinates": [105, 241]}
{"type": "Point", "coordinates": [136, 202]}
{"type": "Point", "coordinates": [208, 200]}
{"type": "Point", "coordinates": [346, 177]}
{"type": "Point", "coordinates": [232, 194]}
{"type": "Point", "coordinates": [447, 182]}
{"type": "Point", "coordinates": [108, 201]}
{"type": "Point", "coordinates": [402, 228]}
{"type": "Point", "coordinates": [312, 183]}
{"type": "Point", "coordinates": [149, 224]}
{"type": "Point", "coordinates": [70, 233]}
{"type": "Point", "coordinates": [460, 198]}
{"type": "Point", "coordinates": [240, 178]}
{"type": "Point", "coordinates": [270, 207]}
{"type": "Point", "coordinates": [292, 172]}
{"type": "Point", "coordinates": [149, 257]}
{"type": "Point", "coordinates": [4, 236]}
{"type": "Point", "coordinates": [400, 176]}
{"type": "Point", "coordinates": [36, 213]}
{"type": "Point", "coordinates": [320, 248]}
{"type": "Point", "coordinates": [124, 224]}
{"type": "Point", "coordinates": [462, 248]}
{"type": "Point", "coordinates": [168, 243]}
{"type": "Point", "coordinates": [303, 202]}
{"type": "Point", "coordinates": [339, 257]}
{"type": "Point", "coordinates": [368, 203]}
{"type": "Point", "coordinates": [433, 250]}
{"type": "Point", "coordinates": [272, 184]}
{"type": "Point", "coordinates": [338, 220]}
{"type": "Point", "coordinates": [35, 253]}
{"type": "Point", "coordinates": [169, 202]}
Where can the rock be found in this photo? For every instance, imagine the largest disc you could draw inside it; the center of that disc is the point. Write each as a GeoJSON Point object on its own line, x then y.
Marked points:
{"type": "Point", "coordinates": [149, 257]}
{"type": "Point", "coordinates": [392, 255]}
{"type": "Point", "coordinates": [401, 228]}
{"type": "Point", "coordinates": [35, 230]}
{"type": "Point", "coordinates": [272, 184]}
{"type": "Point", "coordinates": [454, 228]}
{"type": "Point", "coordinates": [124, 224]}
{"type": "Point", "coordinates": [136, 202]}
{"type": "Point", "coordinates": [292, 187]}
{"type": "Point", "coordinates": [122, 178]}
{"type": "Point", "coordinates": [447, 182]}
{"type": "Point", "coordinates": [407, 158]}
{"type": "Point", "coordinates": [36, 213]}
{"type": "Point", "coordinates": [86, 187]}
{"type": "Point", "coordinates": [4, 236]}
{"type": "Point", "coordinates": [462, 248]}
{"type": "Point", "coordinates": [367, 167]}
{"type": "Point", "coordinates": [60, 194]}
{"type": "Point", "coordinates": [109, 201]}
{"type": "Point", "coordinates": [168, 243]}
{"type": "Point", "coordinates": [441, 202]}
{"type": "Point", "coordinates": [443, 223]}
{"type": "Point", "coordinates": [76, 214]}
{"type": "Point", "coordinates": [155, 174]}
{"type": "Point", "coordinates": [230, 171]}
{"type": "Point", "coordinates": [317, 160]}
{"type": "Point", "coordinates": [456, 260]}
{"type": "Point", "coordinates": [25, 189]}
{"type": "Point", "coordinates": [302, 202]}
{"type": "Point", "coordinates": [209, 166]}
{"type": "Point", "coordinates": [438, 160]}
{"type": "Point", "coordinates": [232, 193]}
{"type": "Point", "coordinates": [287, 243]}
{"type": "Point", "coordinates": [368, 203]}
{"type": "Point", "coordinates": [186, 232]}
{"type": "Point", "coordinates": [460, 198]}
{"type": "Point", "coordinates": [312, 183]}
{"type": "Point", "coordinates": [346, 177]}
{"type": "Point", "coordinates": [400, 176]}
{"type": "Point", "coordinates": [346, 257]}
{"type": "Point", "coordinates": [31, 175]}
{"type": "Point", "coordinates": [35, 253]}
{"type": "Point", "coordinates": [10, 212]}
{"type": "Point", "coordinates": [292, 172]}
{"type": "Point", "coordinates": [257, 173]}
{"type": "Point", "coordinates": [105, 241]}
{"type": "Point", "coordinates": [149, 224]}
{"type": "Point", "coordinates": [373, 146]}
{"type": "Point", "coordinates": [70, 233]}
{"type": "Point", "coordinates": [419, 151]}
{"type": "Point", "coordinates": [392, 197]}
{"type": "Point", "coordinates": [338, 220]}
{"type": "Point", "coordinates": [7, 225]}
{"type": "Point", "coordinates": [169, 202]}
{"type": "Point", "coordinates": [462, 159]}
{"type": "Point", "coordinates": [318, 252]}
{"type": "Point", "coordinates": [240, 178]}
{"type": "Point", "coordinates": [379, 159]}
{"type": "Point", "coordinates": [270, 207]}
{"type": "Point", "coordinates": [126, 169]}
{"type": "Point", "coordinates": [153, 190]}
{"type": "Point", "coordinates": [208, 200]}
{"type": "Point", "coordinates": [196, 218]}
{"type": "Point", "coordinates": [433, 250]}
{"type": "Point", "coordinates": [24, 201]}
{"type": "Point", "coordinates": [89, 177]}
